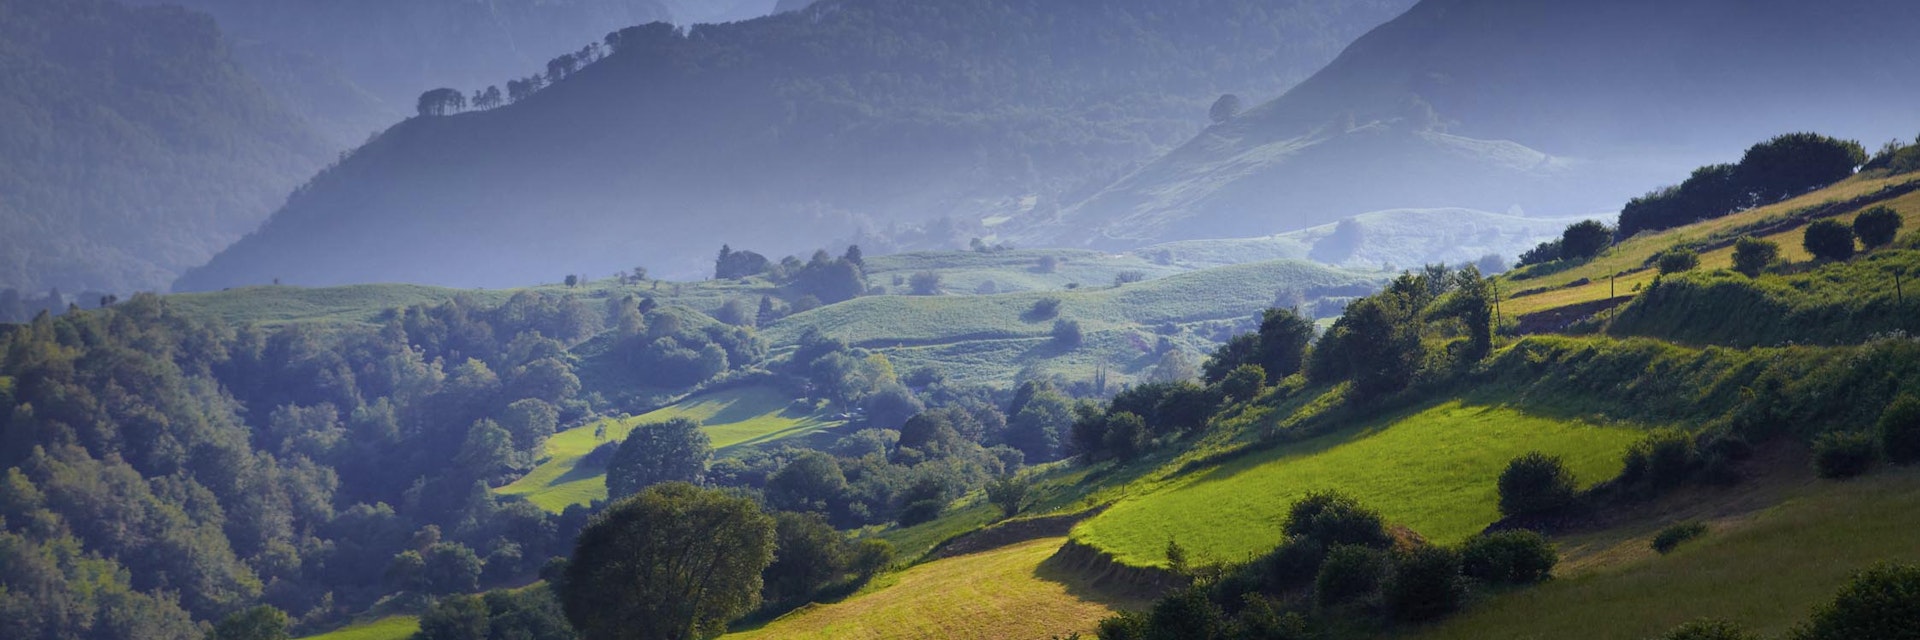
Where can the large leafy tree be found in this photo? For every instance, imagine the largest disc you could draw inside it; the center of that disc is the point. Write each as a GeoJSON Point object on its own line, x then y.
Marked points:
{"type": "Point", "coordinates": [672, 451]}
{"type": "Point", "coordinates": [674, 562]}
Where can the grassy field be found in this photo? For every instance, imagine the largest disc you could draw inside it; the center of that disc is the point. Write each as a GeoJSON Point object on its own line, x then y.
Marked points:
{"type": "Point", "coordinates": [388, 628]}
{"type": "Point", "coordinates": [1766, 572]}
{"type": "Point", "coordinates": [282, 304]}
{"type": "Point", "coordinates": [965, 272]}
{"type": "Point", "coordinates": [1433, 470]}
{"type": "Point", "coordinates": [1404, 237]}
{"type": "Point", "coordinates": [1630, 257]}
{"type": "Point", "coordinates": [1010, 593]}
{"type": "Point", "coordinates": [735, 417]}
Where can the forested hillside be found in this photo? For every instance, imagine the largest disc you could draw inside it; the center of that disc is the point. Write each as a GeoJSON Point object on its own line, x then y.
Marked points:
{"type": "Point", "coordinates": [354, 67]}
{"type": "Point", "coordinates": [1491, 103]}
{"type": "Point", "coordinates": [783, 133]}
{"type": "Point", "coordinates": [132, 146]}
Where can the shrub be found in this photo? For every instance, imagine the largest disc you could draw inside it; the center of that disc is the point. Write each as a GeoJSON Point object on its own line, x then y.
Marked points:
{"type": "Point", "coordinates": [1128, 277]}
{"type": "Point", "coordinates": [1710, 630]}
{"type": "Point", "coordinates": [1066, 333]}
{"type": "Point", "coordinates": [1044, 309]}
{"type": "Point", "coordinates": [1678, 260]}
{"type": "Point", "coordinates": [925, 283]}
{"type": "Point", "coordinates": [1882, 603]}
{"type": "Point", "coordinates": [1536, 484]}
{"type": "Point", "coordinates": [1877, 227]}
{"type": "Point", "coordinates": [1294, 564]}
{"type": "Point", "coordinates": [1426, 584]}
{"type": "Point", "coordinates": [1585, 239]}
{"type": "Point", "coordinates": [1670, 538]}
{"type": "Point", "coordinates": [1508, 557]}
{"type": "Point", "coordinates": [1186, 613]}
{"type": "Point", "coordinates": [1662, 460]}
{"type": "Point", "coordinates": [1751, 256]}
{"type": "Point", "coordinates": [1829, 240]}
{"type": "Point", "coordinates": [1542, 253]}
{"type": "Point", "coordinates": [1899, 430]}
{"type": "Point", "coordinates": [921, 511]}
{"type": "Point", "coordinates": [1244, 382]}
{"type": "Point", "coordinates": [1350, 574]}
{"type": "Point", "coordinates": [1843, 454]}
{"type": "Point", "coordinates": [1795, 163]}
{"type": "Point", "coordinates": [1332, 519]}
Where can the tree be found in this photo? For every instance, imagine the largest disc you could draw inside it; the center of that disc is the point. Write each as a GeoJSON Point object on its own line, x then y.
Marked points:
{"type": "Point", "coordinates": [1677, 260]}
{"type": "Point", "coordinates": [809, 555]}
{"type": "Point", "coordinates": [1243, 383]}
{"type": "Point", "coordinates": [1010, 494]}
{"type": "Point", "coordinates": [1877, 227]}
{"type": "Point", "coordinates": [1795, 163]}
{"type": "Point", "coordinates": [890, 406]}
{"type": "Point", "coordinates": [1882, 603]}
{"type": "Point", "coordinates": [1751, 255]}
{"type": "Point", "coordinates": [674, 562]}
{"type": "Point", "coordinates": [1284, 335]}
{"type": "Point", "coordinates": [458, 617]}
{"type": "Point", "coordinates": [1829, 240]}
{"type": "Point", "coordinates": [925, 283]}
{"type": "Point", "coordinates": [1381, 343]}
{"type": "Point", "coordinates": [1536, 484]}
{"type": "Point", "coordinates": [1225, 108]}
{"type": "Point", "coordinates": [258, 623]}
{"type": "Point", "coordinates": [440, 102]}
{"type": "Point", "coordinates": [854, 256]}
{"type": "Point", "coordinates": [1238, 351]}
{"type": "Point", "coordinates": [451, 567]}
{"type": "Point", "coordinates": [1585, 239]}
{"type": "Point", "coordinates": [812, 482]}
{"type": "Point", "coordinates": [572, 281]}
{"type": "Point", "coordinates": [672, 451]}
{"type": "Point", "coordinates": [1066, 333]}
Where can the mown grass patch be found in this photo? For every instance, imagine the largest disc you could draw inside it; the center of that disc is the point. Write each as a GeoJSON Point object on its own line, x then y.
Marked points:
{"type": "Point", "coordinates": [1766, 575]}
{"type": "Point", "coordinates": [1433, 469]}
{"type": "Point", "coordinates": [735, 417]}
{"type": "Point", "coordinates": [1005, 593]}
{"type": "Point", "coordinates": [388, 628]}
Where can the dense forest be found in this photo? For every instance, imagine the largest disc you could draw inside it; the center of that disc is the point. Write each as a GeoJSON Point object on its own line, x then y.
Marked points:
{"type": "Point", "coordinates": [133, 146]}
{"type": "Point", "coordinates": [812, 125]}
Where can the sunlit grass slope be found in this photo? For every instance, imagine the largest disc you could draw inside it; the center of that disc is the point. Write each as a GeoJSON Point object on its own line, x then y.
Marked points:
{"type": "Point", "coordinates": [281, 304]}
{"type": "Point", "coordinates": [734, 417]}
{"type": "Point", "coordinates": [388, 628]}
{"type": "Point", "coordinates": [1628, 260]}
{"type": "Point", "coordinates": [1433, 470]}
{"type": "Point", "coordinates": [1767, 574]}
{"type": "Point", "coordinates": [1010, 593]}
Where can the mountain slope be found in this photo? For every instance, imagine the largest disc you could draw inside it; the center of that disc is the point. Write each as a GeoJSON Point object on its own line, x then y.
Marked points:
{"type": "Point", "coordinates": [131, 145]}
{"type": "Point", "coordinates": [1489, 103]}
{"type": "Point", "coordinates": [785, 133]}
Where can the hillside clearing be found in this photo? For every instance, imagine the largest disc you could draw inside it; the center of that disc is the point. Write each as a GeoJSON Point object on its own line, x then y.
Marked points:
{"type": "Point", "coordinates": [388, 628]}
{"type": "Point", "coordinates": [1443, 485]}
{"type": "Point", "coordinates": [736, 417]}
{"type": "Point", "coordinates": [1010, 593]}
{"type": "Point", "coordinates": [1766, 574]}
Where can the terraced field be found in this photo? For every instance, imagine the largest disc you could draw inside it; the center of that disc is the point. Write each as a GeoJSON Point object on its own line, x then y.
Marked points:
{"type": "Point", "coordinates": [1010, 593]}
{"type": "Point", "coordinates": [1629, 258]}
{"type": "Point", "coordinates": [388, 628]}
{"type": "Point", "coordinates": [1441, 481]}
{"type": "Point", "coordinates": [736, 417]}
{"type": "Point", "coordinates": [1766, 572]}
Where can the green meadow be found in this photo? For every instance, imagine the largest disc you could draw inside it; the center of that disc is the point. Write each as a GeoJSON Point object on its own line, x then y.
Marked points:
{"type": "Point", "coordinates": [388, 628]}
{"type": "Point", "coordinates": [732, 418]}
{"type": "Point", "coordinates": [1433, 470]}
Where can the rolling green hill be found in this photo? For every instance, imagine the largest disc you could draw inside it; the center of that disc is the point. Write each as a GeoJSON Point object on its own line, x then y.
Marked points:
{"type": "Point", "coordinates": [1431, 469]}
{"type": "Point", "coordinates": [388, 628]}
{"type": "Point", "coordinates": [1403, 237]}
{"type": "Point", "coordinates": [733, 418]}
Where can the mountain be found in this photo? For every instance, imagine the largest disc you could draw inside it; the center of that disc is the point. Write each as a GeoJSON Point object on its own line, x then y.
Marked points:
{"type": "Point", "coordinates": [786, 133]}
{"type": "Point", "coordinates": [132, 145]}
{"type": "Point", "coordinates": [333, 55]}
{"type": "Point", "coordinates": [1561, 107]}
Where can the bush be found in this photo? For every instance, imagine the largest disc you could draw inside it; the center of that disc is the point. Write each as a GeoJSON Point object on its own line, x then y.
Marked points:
{"type": "Point", "coordinates": [1509, 557]}
{"type": "Point", "coordinates": [1899, 430]}
{"type": "Point", "coordinates": [1670, 538]}
{"type": "Point", "coordinates": [1044, 309]}
{"type": "Point", "coordinates": [1796, 163]}
{"type": "Point", "coordinates": [1350, 574]}
{"type": "Point", "coordinates": [1829, 240]}
{"type": "Point", "coordinates": [1710, 630]}
{"type": "Point", "coordinates": [1243, 383]}
{"type": "Point", "coordinates": [1843, 455]}
{"type": "Point", "coordinates": [1678, 260]}
{"type": "Point", "coordinates": [1332, 519]}
{"type": "Point", "coordinates": [1536, 484]}
{"type": "Point", "coordinates": [1751, 256]}
{"type": "Point", "coordinates": [1882, 603]}
{"type": "Point", "coordinates": [925, 283]}
{"type": "Point", "coordinates": [1662, 460]}
{"type": "Point", "coordinates": [1066, 333]}
{"type": "Point", "coordinates": [1877, 227]}
{"type": "Point", "coordinates": [1426, 584]}
{"type": "Point", "coordinates": [921, 511]}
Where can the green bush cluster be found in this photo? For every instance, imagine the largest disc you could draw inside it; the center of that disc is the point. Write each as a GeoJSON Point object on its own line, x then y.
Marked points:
{"type": "Point", "coordinates": [1844, 454]}
{"type": "Point", "coordinates": [1671, 537]}
{"type": "Point", "coordinates": [1536, 484]}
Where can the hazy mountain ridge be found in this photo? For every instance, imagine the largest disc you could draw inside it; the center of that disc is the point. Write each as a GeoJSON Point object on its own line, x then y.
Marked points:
{"type": "Point", "coordinates": [132, 145]}
{"type": "Point", "coordinates": [1490, 103]}
{"type": "Point", "coordinates": [826, 121]}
